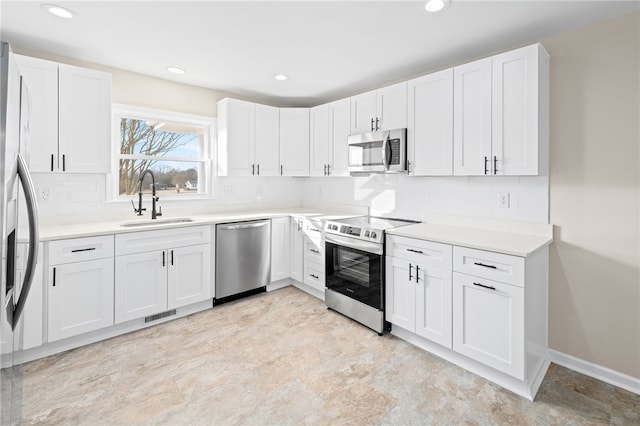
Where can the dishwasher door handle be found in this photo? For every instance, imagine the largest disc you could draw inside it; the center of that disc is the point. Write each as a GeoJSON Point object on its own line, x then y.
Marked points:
{"type": "Point", "coordinates": [243, 226]}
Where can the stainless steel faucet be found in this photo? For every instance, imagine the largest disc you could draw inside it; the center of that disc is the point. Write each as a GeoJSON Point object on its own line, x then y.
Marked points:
{"type": "Point", "coordinates": [154, 197]}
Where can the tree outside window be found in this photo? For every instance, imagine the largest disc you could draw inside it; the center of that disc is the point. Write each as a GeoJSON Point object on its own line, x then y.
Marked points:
{"type": "Point", "coordinates": [174, 146]}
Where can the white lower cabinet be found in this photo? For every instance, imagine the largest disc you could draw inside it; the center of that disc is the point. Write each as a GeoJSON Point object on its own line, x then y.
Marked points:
{"type": "Point", "coordinates": [188, 275]}
{"type": "Point", "coordinates": [313, 246]}
{"type": "Point", "coordinates": [80, 286]}
{"type": "Point", "coordinates": [141, 285]}
{"type": "Point", "coordinates": [487, 309]}
{"type": "Point", "coordinates": [153, 281]}
{"type": "Point", "coordinates": [488, 323]}
{"type": "Point", "coordinates": [418, 299]}
{"type": "Point", "coordinates": [296, 260]}
{"type": "Point", "coordinates": [280, 252]}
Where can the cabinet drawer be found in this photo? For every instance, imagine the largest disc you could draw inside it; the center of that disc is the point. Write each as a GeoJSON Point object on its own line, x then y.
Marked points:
{"type": "Point", "coordinates": [420, 251]}
{"type": "Point", "coordinates": [486, 264]}
{"type": "Point", "coordinates": [140, 242]}
{"type": "Point", "coordinates": [312, 230]}
{"type": "Point", "coordinates": [80, 249]}
{"type": "Point", "coordinates": [314, 275]}
{"type": "Point", "coordinates": [313, 251]}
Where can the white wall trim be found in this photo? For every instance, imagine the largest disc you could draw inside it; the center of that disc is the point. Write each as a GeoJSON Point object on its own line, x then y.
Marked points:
{"type": "Point", "coordinates": [607, 375]}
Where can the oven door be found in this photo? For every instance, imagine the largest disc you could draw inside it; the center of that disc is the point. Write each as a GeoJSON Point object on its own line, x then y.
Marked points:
{"type": "Point", "coordinates": [355, 269]}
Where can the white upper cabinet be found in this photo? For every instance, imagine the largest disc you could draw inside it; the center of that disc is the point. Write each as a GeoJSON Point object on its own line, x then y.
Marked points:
{"type": "Point", "coordinates": [520, 110]}
{"type": "Point", "coordinates": [363, 113]}
{"type": "Point", "coordinates": [339, 117]}
{"type": "Point", "coordinates": [320, 140]}
{"type": "Point", "coordinates": [329, 133]}
{"type": "Point", "coordinates": [382, 109]}
{"type": "Point", "coordinates": [430, 124]}
{"type": "Point", "coordinates": [248, 139]}
{"type": "Point", "coordinates": [267, 140]}
{"type": "Point", "coordinates": [70, 117]}
{"type": "Point", "coordinates": [294, 141]}
{"type": "Point", "coordinates": [472, 118]}
{"type": "Point", "coordinates": [501, 107]}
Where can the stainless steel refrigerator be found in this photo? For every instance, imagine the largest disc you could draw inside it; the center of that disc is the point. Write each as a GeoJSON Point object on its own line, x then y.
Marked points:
{"type": "Point", "coordinates": [18, 220]}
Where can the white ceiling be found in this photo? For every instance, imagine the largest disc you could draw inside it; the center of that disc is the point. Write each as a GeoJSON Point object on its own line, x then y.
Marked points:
{"type": "Point", "coordinates": [330, 49]}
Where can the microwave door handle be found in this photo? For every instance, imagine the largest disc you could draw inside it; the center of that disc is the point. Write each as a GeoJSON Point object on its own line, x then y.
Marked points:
{"type": "Point", "coordinates": [386, 154]}
{"type": "Point", "coordinates": [32, 256]}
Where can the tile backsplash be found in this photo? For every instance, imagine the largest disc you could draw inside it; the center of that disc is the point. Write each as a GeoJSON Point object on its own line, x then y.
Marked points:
{"type": "Point", "coordinates": [73, 196]}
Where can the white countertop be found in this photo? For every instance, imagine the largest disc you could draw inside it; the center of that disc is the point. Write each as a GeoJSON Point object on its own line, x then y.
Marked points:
{"type": "Point", "coordinates": [59, 232]}
{"type": "Point", "coordinates": [498, 241]}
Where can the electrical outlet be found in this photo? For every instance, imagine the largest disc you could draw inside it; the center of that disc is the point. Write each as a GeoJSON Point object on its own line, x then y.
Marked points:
{"type": "Point", "coordinates": [44, 194]}
{"type": "Point", "coordinates": [503, 200]}
{"type": "Point", "coordinates": [228, 189]}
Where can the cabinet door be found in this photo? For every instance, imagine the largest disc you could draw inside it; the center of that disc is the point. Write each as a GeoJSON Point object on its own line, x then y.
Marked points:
{"type": "Point", "coordinates": [488, 323]}
{"type": "Point", "coordinates": [267, 140]}
{"type": "Point", "coordinates": [433, 304]}
{"type": "Point", "coordinates": [41, 78]}
{"type": "Point", "coordinates": [515, 110]}
{"type": "Point", "coordinates": [391, 106]}
{"type": "Point", "coordinates": [34, 308]}
{"type": "Point", "coordinates": [400, 301]}
{"type": "Point", "coordinates": [472, 118]}
{"type": "Point", "coordinates": [84, 120]}
{"type": "Point", "coordinates": [430, 124]}
{"type": "Point", "coordinates": [236, 135]}
{"type": "Point", "coordinates": [141, 285]}
{"type": "Point", "coordinates": [320, 140]}
{"type": "Point", "coordinates": [280, 253]}
{"type": "Point", "coordinates": [80, 298]}
{"type": "Point", "coordinates": [294, 141]}
{"type": "Point", "coordinates": [189, 275]}
{"type": "Point", "coordinates": [339, 130]}
{"type": "Point", "coordinates": [296, 266]}
{"type": "Point", "coordinates": [363, 113]}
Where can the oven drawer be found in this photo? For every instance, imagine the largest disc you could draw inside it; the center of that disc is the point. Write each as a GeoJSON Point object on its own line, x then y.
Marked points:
{"type": "Point", "coordinates": [419, 251]}
{"type": "Point", "coordinates": [314, 275]}
{"type": "Point", "coordinates": [487, 264]}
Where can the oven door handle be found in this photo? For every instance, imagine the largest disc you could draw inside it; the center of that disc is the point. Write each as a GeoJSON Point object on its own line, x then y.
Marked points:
{"type": "Point", "coordinates": [366, 246]}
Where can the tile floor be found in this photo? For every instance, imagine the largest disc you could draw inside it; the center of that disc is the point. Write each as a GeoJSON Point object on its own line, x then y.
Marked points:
{"type": "Point", "coordinates": [282, 358]}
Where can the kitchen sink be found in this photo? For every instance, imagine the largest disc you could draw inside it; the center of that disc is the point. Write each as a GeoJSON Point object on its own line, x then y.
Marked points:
{"type": "Point", "coordinates": [154, 222]}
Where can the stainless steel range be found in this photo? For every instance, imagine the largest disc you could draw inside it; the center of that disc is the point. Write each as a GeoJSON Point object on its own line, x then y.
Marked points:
{"type": "Point", "coordinates": [354, 250]}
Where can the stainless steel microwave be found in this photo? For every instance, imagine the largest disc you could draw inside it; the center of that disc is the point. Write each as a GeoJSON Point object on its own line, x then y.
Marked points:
{"type": "Point", "coordinates": [378, 152]}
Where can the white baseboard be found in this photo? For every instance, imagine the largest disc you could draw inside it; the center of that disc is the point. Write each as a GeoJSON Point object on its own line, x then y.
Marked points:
{"type": "Point", "coordinates": [607, 375]}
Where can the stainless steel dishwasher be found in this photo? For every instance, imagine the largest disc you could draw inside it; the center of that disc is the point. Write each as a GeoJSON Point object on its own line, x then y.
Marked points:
{"type": "Point", "coordinates": [243, 257]}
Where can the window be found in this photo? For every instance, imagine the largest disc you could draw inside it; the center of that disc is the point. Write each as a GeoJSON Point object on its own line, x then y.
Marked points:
{"type": "Point", "coordinates": [175, 147]}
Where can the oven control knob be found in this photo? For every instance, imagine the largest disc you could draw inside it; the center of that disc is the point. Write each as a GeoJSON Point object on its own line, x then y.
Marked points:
{"type": "Point", "coordinates": [372, 234]}
{"type": "Point", "coordinates": [366, 233]}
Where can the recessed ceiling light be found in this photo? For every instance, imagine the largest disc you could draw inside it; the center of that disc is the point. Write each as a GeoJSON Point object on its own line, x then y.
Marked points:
{"type": "Point", "coordinates": [281, 77]}
{"type": "Point", "coordinates": [59, 11]}
{"type": "Point", "coordinates": [175, 70]}
{"type": "Point", "coordinates": [436, 5]}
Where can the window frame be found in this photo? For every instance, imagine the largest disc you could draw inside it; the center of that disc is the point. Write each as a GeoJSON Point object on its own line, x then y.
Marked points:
{"type": "Point", "coordinates": [119, 111]}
